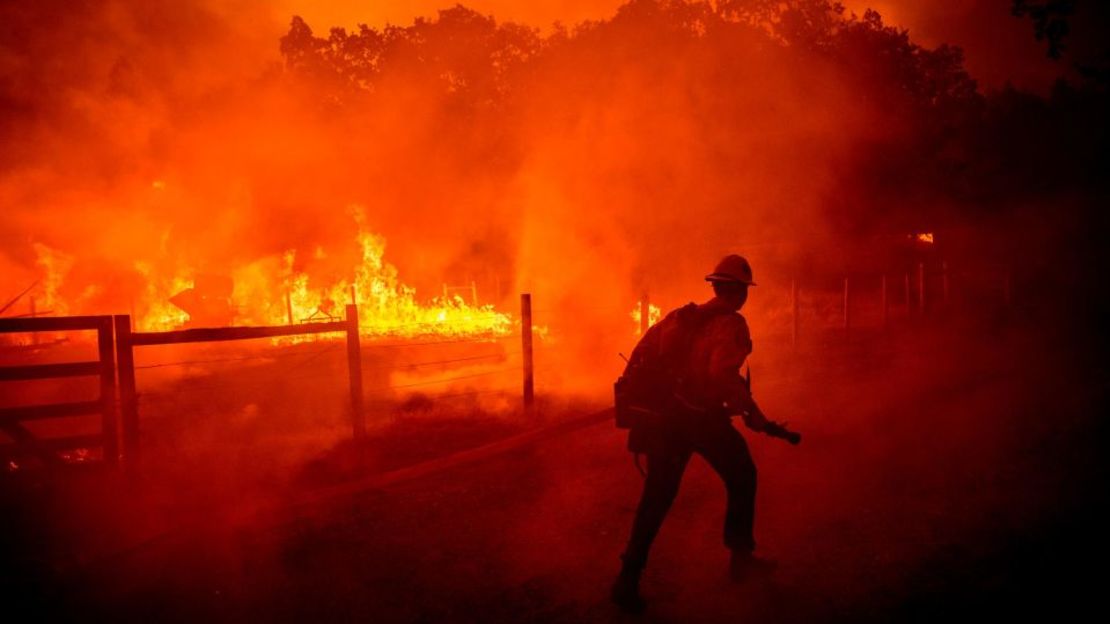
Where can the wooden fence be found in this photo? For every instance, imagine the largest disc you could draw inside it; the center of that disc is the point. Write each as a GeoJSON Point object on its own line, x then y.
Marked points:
{"type": "Point", "coordinates": [49, 450]}
{"type": "Point", "coordinates": [862, 301]}
{"type": "Point", "coordinates": [127, 340]}
{"type": "Point", "coordinates": [120, 431]}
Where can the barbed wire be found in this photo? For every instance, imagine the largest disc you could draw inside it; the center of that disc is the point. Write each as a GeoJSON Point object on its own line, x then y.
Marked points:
{"type": "Point", "coordinates": [475, 393]}
{"type": "Point", "coordinates": [488, 315]}
{"type": "Point", "coordinates": [217, 385]}
{"type": "Point", "coordinates": [439, 342]}
{"type": "Point", "coordinates": [490, 356]}
{"type": "Point", "coordinates": [506, 354]}
{"type": "Point", "coordinates": [211, 361]}
{"type": "Point", "coordinates": [458, 378]}
{"type": "Point", "coordinates": [285, 376]}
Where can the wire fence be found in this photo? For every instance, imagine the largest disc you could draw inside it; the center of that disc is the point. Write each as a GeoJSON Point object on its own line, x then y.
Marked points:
{"type": "Point", "coordinates": [481, 363]}
{"type": "Point", "coordinates": [295, 371]}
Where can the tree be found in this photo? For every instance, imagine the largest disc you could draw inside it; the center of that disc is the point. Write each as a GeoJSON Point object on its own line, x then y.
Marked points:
{"type": "Point", "coordinates": [1050, 21]}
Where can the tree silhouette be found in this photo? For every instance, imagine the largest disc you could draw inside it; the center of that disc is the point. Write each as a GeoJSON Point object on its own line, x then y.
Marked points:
{"type": "Point", "coordinates": [1050, 21]}
{"type": "Point", "coordinates": [937, 138]}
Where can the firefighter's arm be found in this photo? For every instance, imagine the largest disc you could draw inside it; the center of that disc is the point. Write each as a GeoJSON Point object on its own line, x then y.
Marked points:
{"type": "Point", "coordinates": [741, 402]}
{"type": "Point", "coordinates": [754, 418]}
{"type": "Point", "coordinates": [758, 422]}
{"type": "Point", "coordinates": [725, 365]}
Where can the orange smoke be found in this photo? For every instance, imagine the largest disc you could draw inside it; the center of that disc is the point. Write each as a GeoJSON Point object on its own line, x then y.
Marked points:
{"type": "Point", "coordinates": [584, 164]}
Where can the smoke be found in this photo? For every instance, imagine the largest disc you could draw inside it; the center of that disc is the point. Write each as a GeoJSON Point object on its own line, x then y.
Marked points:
{"type": "Point", "coordinates": [147, 146]}
{"type": "Point", "coordinates": [98, 103]}
{"type": "Point", "coordinates": [587, 166]}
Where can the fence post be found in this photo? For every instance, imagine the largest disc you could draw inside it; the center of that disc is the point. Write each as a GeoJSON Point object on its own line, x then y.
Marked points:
{"type": "Point", "coordinates": [906, 294]}
{"type": "Point", "coordinates": [794, 312]}
{"type": "Point", "coordinates": [104, 345]}
{"type": "Point", "coordinates": [354, 372]}
{"type": "Point", "coordinates": [846, 319]}
{"type": "Point", "coordinates": [921, 287]}
{"type": "Point", "coordinates": [526, 345]}
{"type": "Point", "coordinates": [34, 313]}
{"type": "Point", "coordinates": [289, 306]}
{"type": "Point", "coordinates": [128, 400]}
{"type": "Point", "coordinates": [645, 313]}
{"type": "Point", "coordinates": [944, 281]}
{"type": "Point", "coordinates": [886, 304]}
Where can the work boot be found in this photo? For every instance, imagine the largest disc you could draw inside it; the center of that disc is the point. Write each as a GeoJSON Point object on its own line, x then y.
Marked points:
{"type": "Point", "coordinates": [744, 565]}
{"type": "Point", "coordinates": [626, 590]}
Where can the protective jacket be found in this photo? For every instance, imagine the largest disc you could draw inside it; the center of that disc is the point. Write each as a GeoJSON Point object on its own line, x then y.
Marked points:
{"type": "Point", "coordinates": [684, 370]}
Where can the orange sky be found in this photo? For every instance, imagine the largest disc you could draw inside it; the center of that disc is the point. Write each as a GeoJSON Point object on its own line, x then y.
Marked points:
{"type": "Point", "coordinates": [536, 12]}
{"type": "Point", "coordinates": [998, 46]}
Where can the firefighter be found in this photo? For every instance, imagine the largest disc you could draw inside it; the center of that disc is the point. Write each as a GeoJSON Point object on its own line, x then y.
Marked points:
{"type": "Point", "coordinates": [704, 347]}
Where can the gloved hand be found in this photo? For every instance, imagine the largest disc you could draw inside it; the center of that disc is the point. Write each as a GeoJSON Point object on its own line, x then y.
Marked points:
{"type": "Point", "coordinates": [779, 430]}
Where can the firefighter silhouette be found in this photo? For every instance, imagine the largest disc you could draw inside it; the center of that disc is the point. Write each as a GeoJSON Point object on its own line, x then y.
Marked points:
{"type": "Point", "coordinates": [676, 397]}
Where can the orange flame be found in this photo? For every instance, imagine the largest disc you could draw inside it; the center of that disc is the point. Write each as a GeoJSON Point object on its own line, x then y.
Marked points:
{"type": "Point", "coordinates": [653, 315]}
{"type": "Point", "coordinates": [271, 292]}
{"type": "Point", "coordinates": [157, 313]}
{"type": "Point", "coordinates": [54, 264]}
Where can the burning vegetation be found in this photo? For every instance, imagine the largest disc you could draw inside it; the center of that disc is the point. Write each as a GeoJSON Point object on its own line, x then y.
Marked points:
{"type": "Point", "coordinates": [273, 291]}
{"type": "Point", "coordinates": [190, 170]}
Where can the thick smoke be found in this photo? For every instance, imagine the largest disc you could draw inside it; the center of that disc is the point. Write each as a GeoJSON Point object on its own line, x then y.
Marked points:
{"type": "Point", "coordinates": [146, 147]}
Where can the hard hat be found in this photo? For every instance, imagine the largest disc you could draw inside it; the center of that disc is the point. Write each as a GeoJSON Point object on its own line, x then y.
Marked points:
{"type": "Point", "coordinates": [732, 268]}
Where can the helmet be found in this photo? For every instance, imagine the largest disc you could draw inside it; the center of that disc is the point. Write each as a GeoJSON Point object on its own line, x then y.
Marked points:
{"type": "Point", "coordinates": [732, 268]}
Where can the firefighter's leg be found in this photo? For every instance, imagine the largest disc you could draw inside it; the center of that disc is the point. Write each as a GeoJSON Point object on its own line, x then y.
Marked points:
{"type": "Point", "coordinates": [664, 474]}
{"type": "Point", "coordinates": [727, 452]}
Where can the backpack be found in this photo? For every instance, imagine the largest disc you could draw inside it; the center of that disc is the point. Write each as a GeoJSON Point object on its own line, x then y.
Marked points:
{"type": "Point", "coordinates": [645, 394]}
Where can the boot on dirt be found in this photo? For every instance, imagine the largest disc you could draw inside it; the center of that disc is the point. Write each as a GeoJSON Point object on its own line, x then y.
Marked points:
{"type": "Point", "coordinates": [626, 590]}
{"type": "Point", "coordinates": [743, 565]}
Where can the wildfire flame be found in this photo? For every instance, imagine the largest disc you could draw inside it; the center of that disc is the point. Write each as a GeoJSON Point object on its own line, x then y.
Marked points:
{"type": "Point", "coordinates": [265, 295]}
{"type": "Point", "coordinates": [924, 237]}
{"type": "Point", "coordinates": [271, 291]}
{"type": "Point", "coordinates": [158, 314]}
{"type": "Point", "coordinates": [54, 265]}
{"type": "Point", "coordinates": [387, 307]}
{"type": "Point", "coordinates": [653, 315]}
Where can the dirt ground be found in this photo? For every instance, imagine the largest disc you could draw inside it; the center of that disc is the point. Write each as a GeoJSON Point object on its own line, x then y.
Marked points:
{"type": "Point", "coordinates": [945, 472]}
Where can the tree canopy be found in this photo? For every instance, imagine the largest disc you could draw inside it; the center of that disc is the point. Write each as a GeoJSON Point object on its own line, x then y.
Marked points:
{"type": "Point", "coordinates": [933, 134]}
